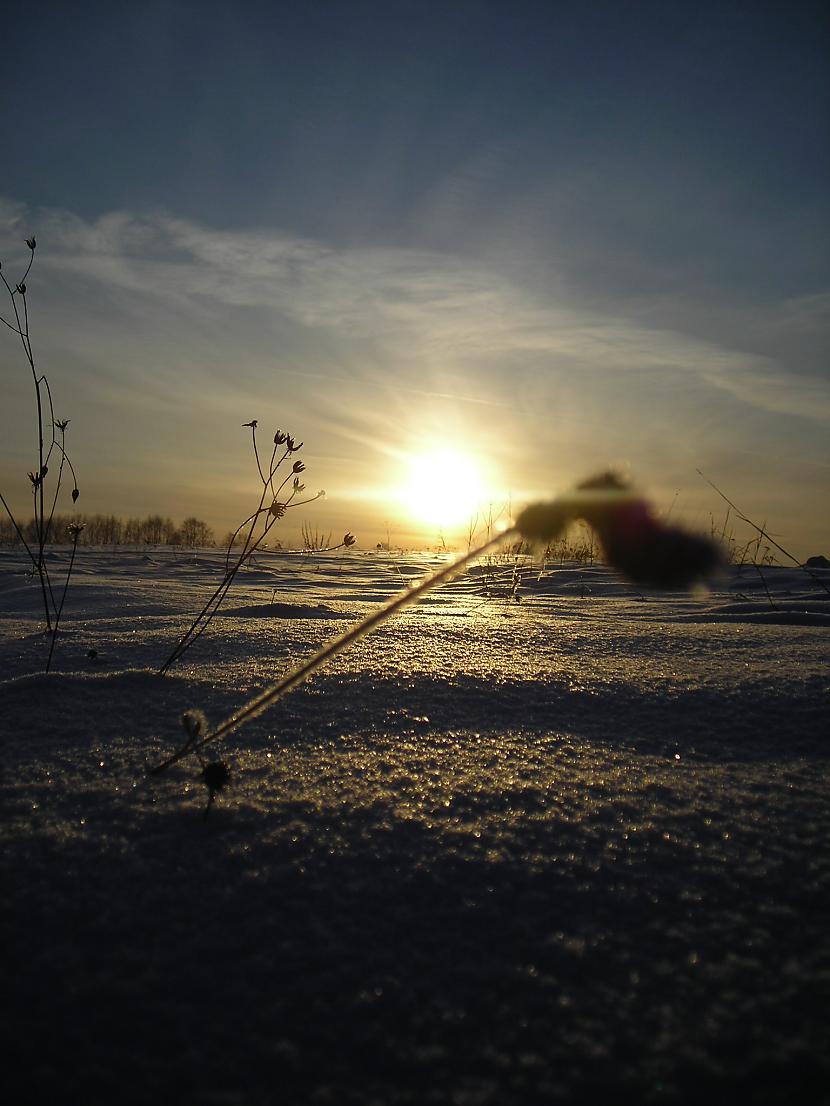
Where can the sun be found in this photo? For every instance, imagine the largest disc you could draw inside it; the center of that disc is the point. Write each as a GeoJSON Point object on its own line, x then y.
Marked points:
{"type": "Point", "coordinates": [444, 489]}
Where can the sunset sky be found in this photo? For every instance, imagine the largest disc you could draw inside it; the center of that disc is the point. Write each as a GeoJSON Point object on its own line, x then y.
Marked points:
{"type": "Point", "coordinates": [483, 246]}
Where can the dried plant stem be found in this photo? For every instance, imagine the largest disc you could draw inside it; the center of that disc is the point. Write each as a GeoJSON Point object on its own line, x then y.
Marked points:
{"type": "Point", "coordinates": [204, 617]}
{"type": "Point", "coordinates": [17, 529]}
{"type": "Point", "coordinates": [59, 611]}
{"type": "Point", "coordinates": [272, 513]}
{"type": "Point", "coordinates": [763, 533]}
{"type": "Point", "coordinates": [47, 443]}
{"type": "Point", "coordinates": [22, 330]}
{"type": "Point", "coordinates": [331, 649]}
{"type": "Point", "coordinates": [635, 541]}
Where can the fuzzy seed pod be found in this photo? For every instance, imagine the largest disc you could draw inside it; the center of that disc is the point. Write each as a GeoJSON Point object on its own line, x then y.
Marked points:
{"type": "Point", "coordinates": [195, 723]}
{"type": "Point", "coordinates": [216, 775]}
{"type": "Point", "coordinates": [543, 521]}
{"type": "Point", "coordinates": [635, 542]}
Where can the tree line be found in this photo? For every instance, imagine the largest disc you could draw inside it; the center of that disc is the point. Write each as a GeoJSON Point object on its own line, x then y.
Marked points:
{"type": "Point", "coordinates": [111, 530]}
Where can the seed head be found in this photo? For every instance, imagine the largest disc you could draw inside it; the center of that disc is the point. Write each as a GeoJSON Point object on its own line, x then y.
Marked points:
{"type": "Point", "coordinates": [349, 539]}
{"type": "Point", "coordinates": [75, 494]}
{"type": "Point", "coordinates": [195, 723]}
{"type": "Point", "coordinates": [216, 775]}
{"type": "Point", "coordinates": [31, 243]}
{"type": "Point", "coordinates": [252, 424]}
{"type": "Point", "coordinates": [298, 466]}
{"type": "Point", "coordinates": [635, 542]}
{"type": "Point", "coordinates": [543, 521]}
{"type": "Point", "coordinates": [277, 509]}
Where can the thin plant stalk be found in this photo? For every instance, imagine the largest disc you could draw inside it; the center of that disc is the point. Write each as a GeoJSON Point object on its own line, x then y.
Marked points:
{"type": "Point", "coordinates": [635, 543]}
{"type": "Point", "coordinates": [17, 529]}
{"type": "Point", "coordinates": [331, 649]}
{"type": "Point", "coordinates": [762, 533]}
{"type": "Point", "coordinates": [76, 533]}
{"type": "Point", "coordinates": [205, 615]}
{"type": "Point", "coordinates": [44, 408]}
{"type": "Point", "coordinates": [251, 543]}
{"type": "Point", "coordinates": [22, 330]}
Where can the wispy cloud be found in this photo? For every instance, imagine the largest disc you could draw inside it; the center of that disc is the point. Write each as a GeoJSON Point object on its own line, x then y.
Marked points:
{"type": "Point", "coordinates": [177, 322]}
{"type": "Point", "coordinates": [425, 308]}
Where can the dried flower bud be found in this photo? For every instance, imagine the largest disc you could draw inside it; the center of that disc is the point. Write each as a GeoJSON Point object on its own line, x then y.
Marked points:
{"type": "Point", "coordinates": [21, 288]}
{"type": "Point", "coordinates": [252, 424]}
{"type": "Point", "coordinates": [277, 509]}
{"type": "Point", "coordinates": [195, 723]}
{"type": "Point", "coordinates": [75, 494]}
{"type": "Point", "coordinates": [35, 479]}
{"type": "Point", "coordinates": [298, 466]}
{"type": "Point", "coordinates": [650, 553]}
{"type": "Point", "coordinates": [348, 539]}
{"type": "Point", "coordinates": [31, 243]}
{"type": "Point", "coordinates": [75, 529]}
{"type": "Point", "coordinates": [279, 438]}
{"type": "Point", "coordinates": [216, 775]}
{"type": "Point", "coordinates": [62, 424]}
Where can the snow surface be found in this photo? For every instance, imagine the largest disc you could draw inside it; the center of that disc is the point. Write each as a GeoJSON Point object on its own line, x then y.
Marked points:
{"type": "Point", "coordinates": [499, 852]}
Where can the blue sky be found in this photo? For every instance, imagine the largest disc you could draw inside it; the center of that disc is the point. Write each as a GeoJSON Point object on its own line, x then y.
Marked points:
{"type": "Point", "coordinates": [557, 235]}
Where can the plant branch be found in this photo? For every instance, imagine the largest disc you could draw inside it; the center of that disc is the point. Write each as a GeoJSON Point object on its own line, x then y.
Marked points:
{"type": "Point", "coordinates": [76, 531]}
{"type": "Point", "coordinates": [265, 699]}
{"type": "Point", "coordinates": [764, 533]}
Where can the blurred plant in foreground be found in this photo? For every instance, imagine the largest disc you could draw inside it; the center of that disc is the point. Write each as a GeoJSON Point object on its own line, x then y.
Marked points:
{"type": "Point", "coordinates": [636, 543]}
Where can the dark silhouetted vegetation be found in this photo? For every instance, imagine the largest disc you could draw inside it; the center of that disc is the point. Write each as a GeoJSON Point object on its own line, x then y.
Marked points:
{"type": "Point", "coordinates": [52, 460]}
{"type": "Point", "coordinates": [110, 530]}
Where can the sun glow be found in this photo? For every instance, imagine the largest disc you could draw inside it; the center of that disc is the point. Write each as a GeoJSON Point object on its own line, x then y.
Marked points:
{"type": "Point", "coordinates": [445, 488]}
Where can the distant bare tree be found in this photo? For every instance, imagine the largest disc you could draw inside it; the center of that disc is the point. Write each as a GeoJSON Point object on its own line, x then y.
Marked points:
{"type": "Point", "coordinates": [132, 531]}
{"type": "Point", "coordinates": [154, 529]}
{"type": "Point", "coordinates": [195, 532]}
